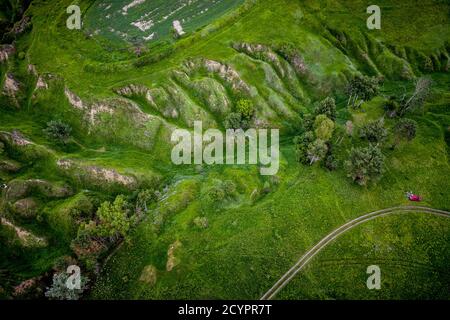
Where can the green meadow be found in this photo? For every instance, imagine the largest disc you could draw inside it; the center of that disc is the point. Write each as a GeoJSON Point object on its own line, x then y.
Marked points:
{"type": "Point", "coordinates": [282, 56]}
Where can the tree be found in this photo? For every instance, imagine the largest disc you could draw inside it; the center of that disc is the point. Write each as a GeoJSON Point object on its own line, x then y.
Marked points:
{"type": "Point", "coordinates": [392, 107]}
{"type": "Point", "coordinates": [144, 198]}
{"type": "Point", "coordinates": [58, 130]}
{"type": "Point", "coordinates": [307, 122]}
{"type": "Point", "coordinates": [246, 109]}
{"type": "Point", "coordinates": [216, 193]}
{"type": "Point", "coordinates": [365, 164]}
{"type": "Point", "coordinates": [324, 127]}
{"type": "Point", "coordinates": [331, 163]}
{"type": "Point", "coordinates": [326, 107]}
{"type": "Point", "coordinates": [234, 120]}
{"type": "Point", "coordinates": [301, 143]}
{"type": "Point", "coordinates": [114, 218]}
{"type": "Point", "coordinates": [317, 150]}
{"type": "Point", "coordinates": [405, 129]}
{"type": "Point", "coordinates": [60, 291]}
{"type": "Point", "coordinates": [362, 88]}
{"type": "Point", "coordinates": [418, 98]}
{"type": "Point", "coordinates": [374, 131]}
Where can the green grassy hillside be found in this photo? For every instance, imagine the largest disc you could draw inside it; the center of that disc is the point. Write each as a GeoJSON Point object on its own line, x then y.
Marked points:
{"type": "Point", "coordinates": [123, 97]}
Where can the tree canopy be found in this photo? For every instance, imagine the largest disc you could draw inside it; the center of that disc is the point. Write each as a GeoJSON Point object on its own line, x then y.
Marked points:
{"type": "Point", "coordinates": [365, 164]}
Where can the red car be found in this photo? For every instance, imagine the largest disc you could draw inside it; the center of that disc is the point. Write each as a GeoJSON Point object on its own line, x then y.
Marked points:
{"type": "Point", "coordinates": [413, 197]}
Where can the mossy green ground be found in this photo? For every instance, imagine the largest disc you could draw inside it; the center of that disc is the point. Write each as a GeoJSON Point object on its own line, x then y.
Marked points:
{"type": "Point", "coordinates": [251, 238]}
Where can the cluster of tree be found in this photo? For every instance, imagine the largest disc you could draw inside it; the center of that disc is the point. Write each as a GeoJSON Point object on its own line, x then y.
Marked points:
{"type": "Point", "coordinates": [366, 163]}
{"type": "Point", "coordinates": [110, 225]}
{"type": "Point", "coordinates": [242, 117]}
{"type": "Point", "coordinates": [97, 233]}
{"type": "Point", "coordinates": [314, 145]}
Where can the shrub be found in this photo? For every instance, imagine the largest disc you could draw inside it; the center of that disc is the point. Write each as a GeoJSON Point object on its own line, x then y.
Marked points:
{"type": "Point", "coordinates": [365, 164]}
{"type": "Point", "coordinates": [326, 107]}
{"type": "Point", "coordinates": [374, 131]}
{"type": "Point", "coordinates": [392, 107]}
{"type": "Point", "coordinates": [60, 291]}
{"type": "Point", "coordinates": [201, 222]}
{"type": "Point", "coordinates": [58, 131]}
{"type": "Point", "coordinates": [83, 208]}
{"type": "Point", "coordinates": [229, 188]}
{"type": "Point", "coordinates": [266, 187]}
{"type": "Point", "coordinates": [316, 151]}
{"type": "Point", "coordinates": [324, 127]}
{"type": "Point", "coordinates": [405, 129]}
{"type": "Point", "coordinates": [308, 122]}
{"type": "Point", "coordinates": [234, 121]}
{"type": "Point", "coordinates": [245, 108]}
{"type": "Point", "coordinates": [331, 163]}
{"type": "Point", "coordinates": [216, 193]}
{"type": "Point", "coordinates": [144, 198]}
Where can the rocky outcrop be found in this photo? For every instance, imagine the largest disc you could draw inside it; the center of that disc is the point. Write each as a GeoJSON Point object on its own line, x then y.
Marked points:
{"type": "Point", "coordinates": [6, 51]}
{"type": "Point", "coordinates": [10, 166]}
{"type": "Point", "coordinates": [149, 275]}
{"type": "Point", "coordinates": [172, 260]}
{"type": "Point", "coordinates": [97, 176]}
{"type": "Point", "coordinates": [132, 90]}
{"type": "Point", "coordinates": [26, 287]}
{"type": "Point", "coordinates": [21, 25]}
{"type": "Point", "coordinates": [14, 138]}
{"type": "Point", "coordinates": [11, 85]}
{"type": "Point", "coordinates": [25, 208]}
{"type": "Point", "coordinates": [41, 84]}
{"type": "Point", "coordinates": [22, 147]}
{"type": "Point", "coordinates": [227, 73]}
{"type": "Point", "coordinates": [26, 238]}
{"type": "Point", "coordinates": [74, 100]}
{"type": "Point", "coordinates": [19, 189]}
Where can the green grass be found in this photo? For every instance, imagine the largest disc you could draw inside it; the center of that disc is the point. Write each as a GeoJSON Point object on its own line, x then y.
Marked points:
{"type": "Point", "coordinates": [252, 238]}
{"type": "Point", "coordinates": [410, 249]}
{"type": "Point", "coordinates": [226, 260]}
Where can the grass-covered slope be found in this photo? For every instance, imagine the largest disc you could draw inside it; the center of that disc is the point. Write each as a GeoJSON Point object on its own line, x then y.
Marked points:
{"type": "Point", "coordinates": [124, 98]}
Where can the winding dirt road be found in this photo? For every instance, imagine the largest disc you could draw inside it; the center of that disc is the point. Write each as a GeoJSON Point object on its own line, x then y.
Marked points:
{"type": "Point", "coordinates": [290, 274]}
